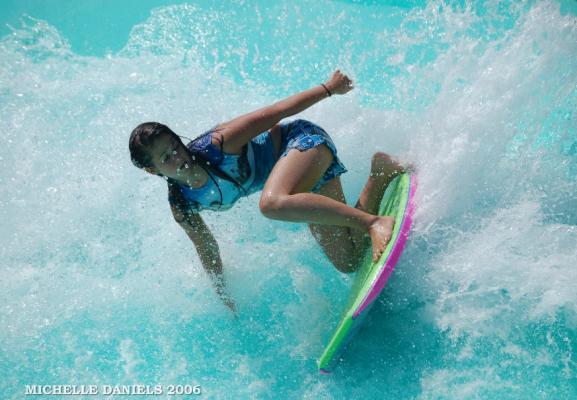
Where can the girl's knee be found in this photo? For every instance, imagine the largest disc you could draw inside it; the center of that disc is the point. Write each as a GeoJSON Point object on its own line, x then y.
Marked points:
{"type": "Point", "coordinates": [271, 205]}
{"type": "Point", "coordinates": [346, 267]}
{"type": "Point", "coordinates": [345, 259]}
{"type": "Point", "coordinates": [380, 155]}
{"type": "Point", "coordinates": [337, 246]}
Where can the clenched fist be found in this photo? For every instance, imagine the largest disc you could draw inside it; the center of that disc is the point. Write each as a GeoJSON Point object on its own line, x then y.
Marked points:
{"type": "Point", "coordinates": [339, 83]}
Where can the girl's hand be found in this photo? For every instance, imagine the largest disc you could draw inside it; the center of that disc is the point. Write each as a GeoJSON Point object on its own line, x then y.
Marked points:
{"type": "Point", "coordinates": [339, 83]}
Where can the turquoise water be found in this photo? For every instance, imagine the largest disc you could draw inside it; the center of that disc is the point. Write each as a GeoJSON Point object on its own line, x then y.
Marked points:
{"type": "Point", "coordinates": [100, 287]}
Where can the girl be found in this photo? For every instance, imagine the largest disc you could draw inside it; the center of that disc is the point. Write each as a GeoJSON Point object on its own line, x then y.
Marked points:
{"type": "Point", "coordinates": [295, 164]}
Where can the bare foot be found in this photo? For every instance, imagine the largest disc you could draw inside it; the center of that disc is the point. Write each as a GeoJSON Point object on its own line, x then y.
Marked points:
{"type": "Point", "coordinates": [380, 231]}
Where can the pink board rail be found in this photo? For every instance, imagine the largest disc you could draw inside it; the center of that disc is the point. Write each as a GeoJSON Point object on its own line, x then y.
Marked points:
{"type": "Point", "coordinates": [353, 317]}
{"type": "Point", "coordinates": [395, 254]}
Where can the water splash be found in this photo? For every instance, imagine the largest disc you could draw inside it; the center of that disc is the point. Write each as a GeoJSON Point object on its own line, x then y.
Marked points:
{"type": "Point", "coordinates": [100, 286]}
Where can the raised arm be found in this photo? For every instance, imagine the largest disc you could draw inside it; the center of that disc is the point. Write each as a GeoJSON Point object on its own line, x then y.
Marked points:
{"type": "Point", "coordinates": [207, 249]}
{"type": "Point", "coordinates": [239, 131]}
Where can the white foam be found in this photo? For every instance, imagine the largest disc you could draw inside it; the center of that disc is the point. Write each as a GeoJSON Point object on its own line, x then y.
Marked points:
{"type": "Point", "coordinates": [488, 122]}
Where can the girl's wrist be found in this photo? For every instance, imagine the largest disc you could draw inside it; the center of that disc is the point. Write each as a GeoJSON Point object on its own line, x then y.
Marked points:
{"type": "Point", "coordinates": [327, 89]}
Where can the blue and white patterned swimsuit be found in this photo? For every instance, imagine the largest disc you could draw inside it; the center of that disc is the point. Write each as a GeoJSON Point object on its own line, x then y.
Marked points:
{"type": "Point", "coordinates": [252, 172]}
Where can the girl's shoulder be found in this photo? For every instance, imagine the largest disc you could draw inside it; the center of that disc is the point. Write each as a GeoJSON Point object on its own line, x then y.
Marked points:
{"type": "Point", "coordinates": [204, 146]}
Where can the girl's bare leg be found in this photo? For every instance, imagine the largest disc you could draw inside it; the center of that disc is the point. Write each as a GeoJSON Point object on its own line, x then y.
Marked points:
{"type": "Point", "coordinates": [383, 170]}
{"type": "Point", "coordinates": [336, 241]}
{"type": "Point", "coordinates": [286, 197]}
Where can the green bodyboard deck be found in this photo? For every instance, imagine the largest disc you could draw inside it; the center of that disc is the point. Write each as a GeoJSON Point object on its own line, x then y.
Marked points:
{"type": "Point", "coordinates": [371, 277]}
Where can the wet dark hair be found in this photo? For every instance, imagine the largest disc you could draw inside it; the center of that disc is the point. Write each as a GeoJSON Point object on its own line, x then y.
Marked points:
{"type": "Point", "coordinates": [141, 139]}
{"type": "Point", "coordinates": [143, 136]}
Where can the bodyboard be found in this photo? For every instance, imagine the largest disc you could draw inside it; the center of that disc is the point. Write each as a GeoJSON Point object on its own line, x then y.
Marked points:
{"type": "Point", "coordinates": [371, 277]}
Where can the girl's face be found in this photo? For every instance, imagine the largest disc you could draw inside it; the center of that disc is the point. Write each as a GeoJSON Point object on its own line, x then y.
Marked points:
{"type": "Point", "coordinates": [170, 158]}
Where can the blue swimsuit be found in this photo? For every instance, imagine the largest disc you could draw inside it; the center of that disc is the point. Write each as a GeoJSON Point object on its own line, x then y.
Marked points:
{"type": "Point", "coordinates": [252, 171]}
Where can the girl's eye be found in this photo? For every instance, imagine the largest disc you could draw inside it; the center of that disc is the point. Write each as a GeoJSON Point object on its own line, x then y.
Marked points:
{"type": "Point", "coordinates": [169, 156]}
